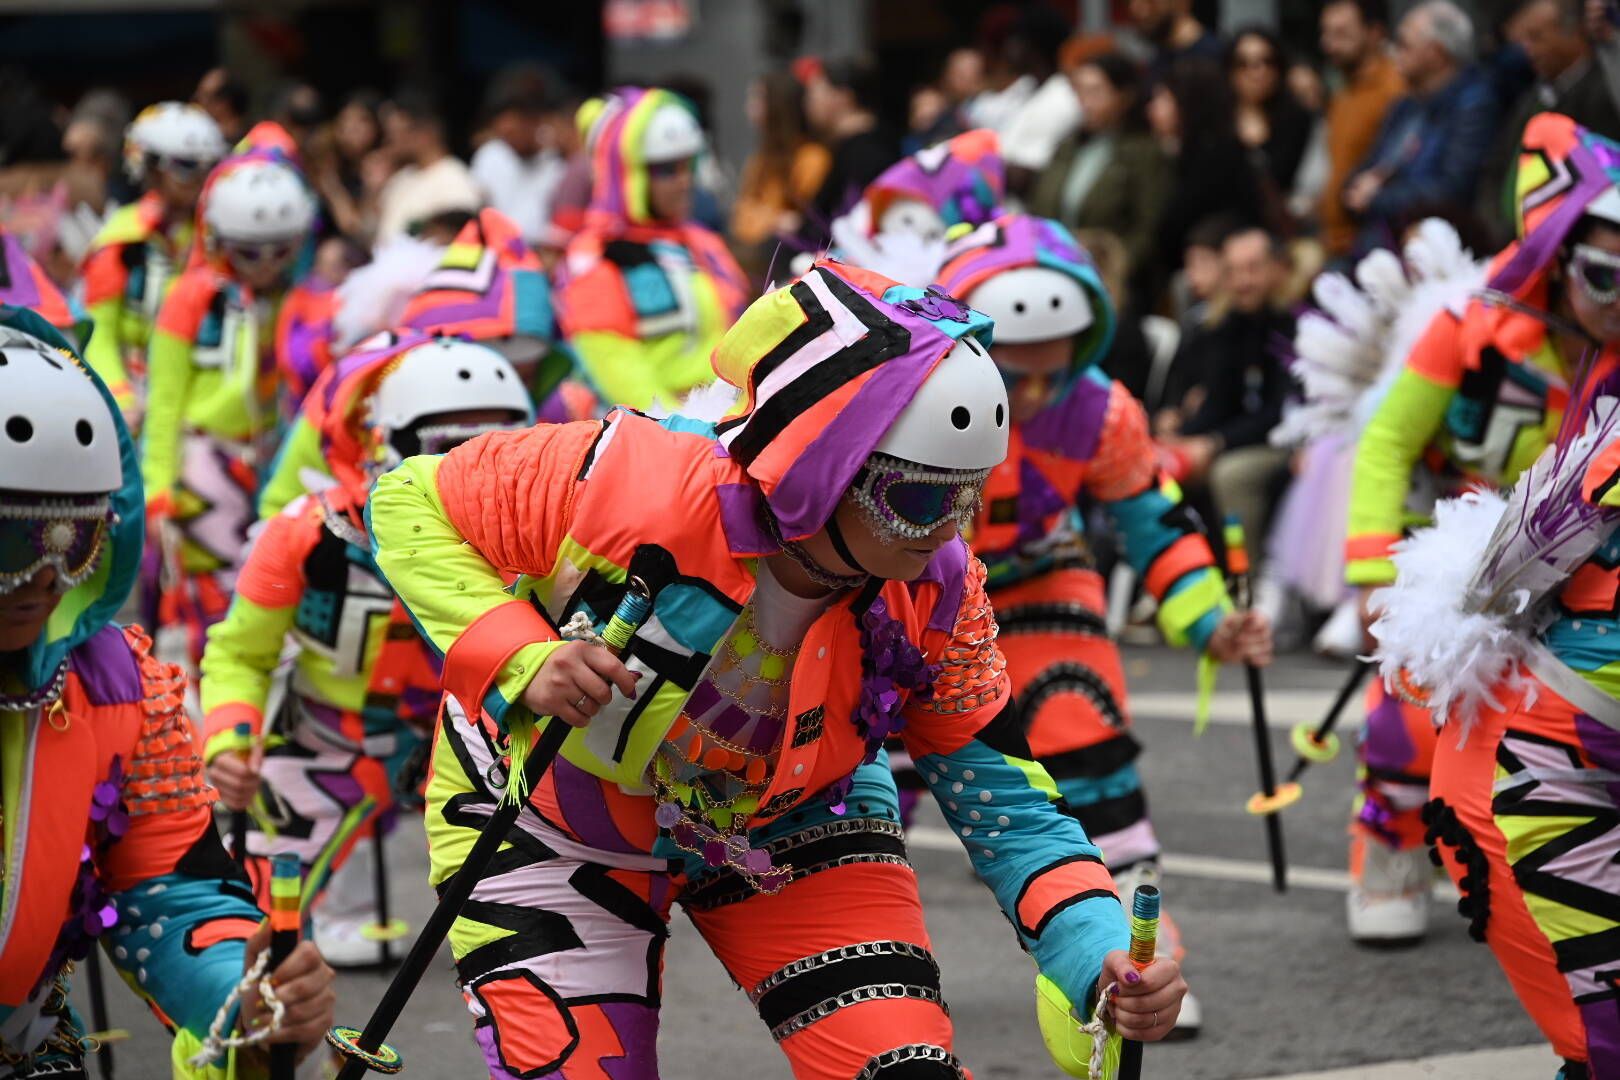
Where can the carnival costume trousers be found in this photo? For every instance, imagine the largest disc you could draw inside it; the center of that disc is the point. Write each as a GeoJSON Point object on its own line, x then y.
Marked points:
{"type": "Point", "coordinates": [1395, 755]}
{"type": "Point", "coordinates": [326, 784]}
{"type": "Point", "coordinates": [1526, 815]}
{"type": "Point", "coordinates": [559, 952]}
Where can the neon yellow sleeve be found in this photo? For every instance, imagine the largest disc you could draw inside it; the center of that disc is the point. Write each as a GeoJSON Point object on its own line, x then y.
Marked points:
{"type": "Point", "coordinates": [105, 354]}
{"type": "Point", "coordinates": [168, 383]}
{"type": "Point", "coordinates": [300, 450]}
{"type": "Point", "coordinates": [447, 585]}
{"type": "Point", "coordinates": [1394, 440]}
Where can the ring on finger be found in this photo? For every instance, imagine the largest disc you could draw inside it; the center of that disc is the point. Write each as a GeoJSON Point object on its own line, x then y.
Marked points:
{"type": "Point", "coordinates": [1155, 1018]}
{"type": "Point", "coordinates": [579, 706]}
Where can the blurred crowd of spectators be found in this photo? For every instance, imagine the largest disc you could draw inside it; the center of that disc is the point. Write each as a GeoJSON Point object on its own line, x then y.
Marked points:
{"type": "Point", "coordinates": [1211, 175]}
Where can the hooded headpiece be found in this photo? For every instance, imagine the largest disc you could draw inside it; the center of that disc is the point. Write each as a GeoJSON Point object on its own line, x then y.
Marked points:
{"type": "Point", "coordinates": [1020, 241]}
{"type": "Point", "coordinates": [826, 366]}
{"type": "Point", "coordinates": [1565, 172]}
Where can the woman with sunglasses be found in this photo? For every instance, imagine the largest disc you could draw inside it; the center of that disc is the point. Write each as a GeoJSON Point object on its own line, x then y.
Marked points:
{"type": "Point", "coordinates": [107, 837]}
{"type": "Point", "coordinates": [144, 246]}
{"type": "Point", "coordinates": [364, 688]}
{"type": "Point", "coordinates": [213, 409]}
{"type": "Point", "coordinates": [1482, 393]}
{"type": "Point", "coordinates": [644, 292]}
{"type": "Point", "coordinates": [1076, 432]}
{"type": "Point", "coordinates": [810, 596]}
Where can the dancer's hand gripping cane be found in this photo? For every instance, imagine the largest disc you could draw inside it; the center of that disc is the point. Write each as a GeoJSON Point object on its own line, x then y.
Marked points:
{"type": "Point", "coordinates": [572, 705]}
{"type": "Point", "coordinates": [1272, 797]}
{"type": "Point", "coordinates": [1139, 998]}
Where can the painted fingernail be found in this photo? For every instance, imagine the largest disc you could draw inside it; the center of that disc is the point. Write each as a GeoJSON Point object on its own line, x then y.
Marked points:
{"type": "Point", "coordinates": [1132, 977]}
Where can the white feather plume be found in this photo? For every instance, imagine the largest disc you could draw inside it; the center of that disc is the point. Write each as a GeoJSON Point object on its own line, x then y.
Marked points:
{"type": "Point", "coordinates": [1350, 349]}
{"type": "Point", "coordinates": [905, 257]}
{"type": "Point", "coordinates": [1473, 590]}
{"type": "Point", "coordinates": [709, 402]}
{"type": "Point", "coordinates": [373, 297]}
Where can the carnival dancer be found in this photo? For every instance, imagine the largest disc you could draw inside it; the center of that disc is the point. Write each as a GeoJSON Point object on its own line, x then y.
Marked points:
{"type": "Point", "coordinates": [810, 597]}
{"type": "Point", "coordinates": [108, 840]}
{"type": "Point", "coordinates": [487, 287]}
{"type": "Point", "coordinates": [960, 181]}
{"type": "Point", "coordinates": [1502, 621]}
{"type": "Point", "coordinates": [364, 686]}
{"type": "Point", "coordinates": [1480, 396]}
{"type": "Point", "coordinates": [644, 292]}
{"type": "Point", "coordinates": [25, 285]}
{"type": "Point", "coordinates": [1077, 432]}
{"type": "Point", "coordinates": [143, 247]}
{"type": "Point", "coordinates": [213, 413]}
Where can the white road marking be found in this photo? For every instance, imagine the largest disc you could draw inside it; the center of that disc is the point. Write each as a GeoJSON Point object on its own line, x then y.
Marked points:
{"type": "Point", "coordinates": [1215, 867]}
{"type": "Point", "coordinates": [1535, 1062]}
{"type": "Point", "coordinates": [1284, 707]}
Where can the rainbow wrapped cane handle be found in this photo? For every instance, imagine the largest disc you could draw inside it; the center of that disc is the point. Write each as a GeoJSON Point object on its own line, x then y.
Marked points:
{"type": "Point", "coordinates": [286, 927]}
{"type": "Point", "coordinates": [1144, 925]}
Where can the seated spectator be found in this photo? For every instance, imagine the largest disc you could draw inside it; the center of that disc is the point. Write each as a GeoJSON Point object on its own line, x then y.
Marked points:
{"type": "Point", "coordinates": [1202, 275]}
{"type": "Point", "coordinates": [433, 192]}
{"type": "Point", "coordinates": [1192, 115]}
{"type": "Point", "coordinates": [338, 165]}
{"type": "Point", "coordinates": [1353, 42]}
{"type": "Point", "coordinates": [841, 100]}
{"type": "Point", "coordinates": [782, 175]}
{"type": "Point", "coordinates": [1111, 174]}
{"type": "Point", "coordinates": [1271, 123]}
{"type": "Point", "coordinates": [1433, 142]}
{"type": "Point", "coordinates": [1174, 33]}
{"type": "Point", "coordinates": [1235, 385]}
{"type": "Point", "coordinates": [224, 97]}
{"type": "Point", "coordinates": [516, 170]}
{"type": "Point", "coordinates": [1567, 81]}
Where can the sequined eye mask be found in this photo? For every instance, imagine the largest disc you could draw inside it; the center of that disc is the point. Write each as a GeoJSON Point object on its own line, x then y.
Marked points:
{"type": "Point", "coordinates": [904, 500]}
{"type": "Point", "coordinates": [68, 534]}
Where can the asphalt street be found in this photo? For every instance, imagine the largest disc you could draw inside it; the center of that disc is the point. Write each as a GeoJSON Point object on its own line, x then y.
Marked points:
{"type": "Point", "coordinates": [1284, 992]}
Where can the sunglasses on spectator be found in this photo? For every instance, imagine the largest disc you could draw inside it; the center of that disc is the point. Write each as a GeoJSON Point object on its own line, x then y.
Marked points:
{"type": "Point", "coordinates": [1597, 272]}
{"type": "Point", "coordinates": [269, 252]}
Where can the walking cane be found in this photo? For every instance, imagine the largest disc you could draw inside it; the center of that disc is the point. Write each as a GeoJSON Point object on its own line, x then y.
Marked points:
{"type": "Point", "coordinates": [103, 1036]}
{"type": "Point", "coordinates": [286, 927]}
{"type": "Point", "coordinates": [1144, 942]}
{"type": "Point", "coordinates": [366, 1049]}
{"type": "Point", "coordinates": [239, 818]}
{"type": "Point", "coordinates": [385, 929]}
{"type": "Point", "coordinates": [1318, 746]}
{"type": "Point", "coordinates": [1270, 799]}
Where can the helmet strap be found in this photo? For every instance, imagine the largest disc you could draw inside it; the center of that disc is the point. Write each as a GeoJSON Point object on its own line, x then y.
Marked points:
{"type": "Point", "coordinates": [836, 535]}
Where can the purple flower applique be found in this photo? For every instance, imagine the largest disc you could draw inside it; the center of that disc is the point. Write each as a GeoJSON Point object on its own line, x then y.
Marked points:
{"type": "Point", "coordinates": [935, 303]}
{"type": "Point", "coordinates": [107, 808]}
{"type": "Point", "coordinates": [890, 666]}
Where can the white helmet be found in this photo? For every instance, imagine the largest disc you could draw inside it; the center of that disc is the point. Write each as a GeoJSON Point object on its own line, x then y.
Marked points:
{"type": "Point", "coordinates": [443, 376]}
{"type": "Point", "coordinates": [912, 216]}
{"type": "Point", "coordinates": [57, 433]}
{"type": "Point", "coordinates": [176, 131]}
{"type": "Point", "coordinates": [672, 134]}
{"type": "Point", "coordinates": [1606, 205]}
{"type": "Point", "coordinates": [958, 419]}
{"type": "Point", "coordinates": [1033, 303]}
{"type": "Point", "coordinates": [259, 201]}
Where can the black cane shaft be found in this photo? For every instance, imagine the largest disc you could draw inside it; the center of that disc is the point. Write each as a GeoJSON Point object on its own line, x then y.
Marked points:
{"type": "Point", "coordinates": [379, 878]}
{"type": "Point", "coordinates": [1130, 1060]}
{"type": "Point", "coordinates": [98, 1010]}
{"type": "Point", "coordinates": [1268, 777]}
{"type": "Point", "coordinates": [451, 901]}
{"type": "Point", "coordinates": [1358, 675]}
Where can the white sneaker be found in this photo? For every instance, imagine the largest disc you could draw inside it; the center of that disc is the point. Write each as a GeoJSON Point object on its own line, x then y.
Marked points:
{"type": "Point", "coordinates": [1390, 904]}
{"type": "Point", "coordinates": [1341, 635]}
{"type": "Point", "coordinates": [344, 944]}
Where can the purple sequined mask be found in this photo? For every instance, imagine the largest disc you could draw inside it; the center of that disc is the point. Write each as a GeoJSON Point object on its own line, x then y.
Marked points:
{"type": "Point", "coordinates": [36, 532]}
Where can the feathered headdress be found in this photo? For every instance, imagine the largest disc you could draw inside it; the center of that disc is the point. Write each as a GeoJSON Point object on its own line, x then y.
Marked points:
{"type": "Point", "coordinates": [1350, 348]}
{"type": "Point", "coordinates": [1473, 590]}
